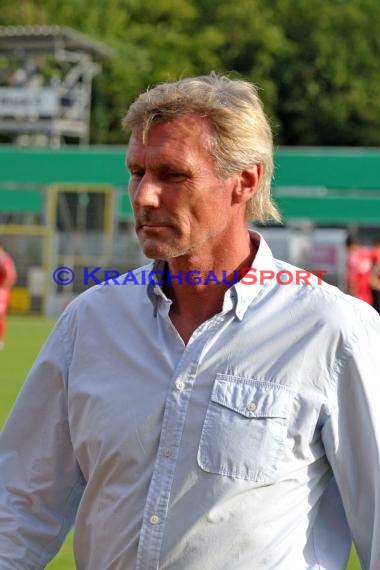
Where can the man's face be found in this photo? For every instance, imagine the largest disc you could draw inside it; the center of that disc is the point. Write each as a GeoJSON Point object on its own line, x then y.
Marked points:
{"type": "Point", "coordinates": [180, 204]}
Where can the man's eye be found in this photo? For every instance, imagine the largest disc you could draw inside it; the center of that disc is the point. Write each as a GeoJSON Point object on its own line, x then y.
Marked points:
{"type": "Point", "coordinates": [175, 176]}
{"type": "Point", "coordinates": [137, 173]}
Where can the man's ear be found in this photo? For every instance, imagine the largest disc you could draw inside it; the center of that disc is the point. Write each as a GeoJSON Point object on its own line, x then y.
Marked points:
{"type": "Point", "coordinates": [247, 183]}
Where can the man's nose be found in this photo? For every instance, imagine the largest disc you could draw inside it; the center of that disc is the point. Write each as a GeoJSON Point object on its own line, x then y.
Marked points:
{"type": "Point", "coordinates": [145, 192]}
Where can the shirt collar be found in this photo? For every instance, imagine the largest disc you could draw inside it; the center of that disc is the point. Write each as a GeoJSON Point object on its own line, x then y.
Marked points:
{"type": "Point", "coordinates": [249, 287]}
{"type": "Point", "coordinates": [154, 289]}
{"type": "Point", "coordinates": [238, 296]}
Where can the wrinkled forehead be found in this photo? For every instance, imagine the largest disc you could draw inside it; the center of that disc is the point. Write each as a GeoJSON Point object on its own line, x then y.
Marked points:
{"type": "Point", "coordinates": [184, 132]}
{"type": "Point", "coordinates": [187, 123]}
{"type": "Point", "coordinates": [184, 142]}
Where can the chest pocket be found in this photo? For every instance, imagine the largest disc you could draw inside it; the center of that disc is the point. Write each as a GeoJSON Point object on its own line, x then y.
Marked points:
{"type": "Point", "coordinates": [244, 429]}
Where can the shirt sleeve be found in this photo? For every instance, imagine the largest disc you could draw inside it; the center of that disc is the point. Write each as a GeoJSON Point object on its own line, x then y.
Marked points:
{"type": "Point", "coordinates": [352, 435]}
{"type": "Point", "coordinates": [40, 481]}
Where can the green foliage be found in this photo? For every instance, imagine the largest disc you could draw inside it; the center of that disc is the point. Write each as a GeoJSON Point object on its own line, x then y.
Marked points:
{"type": "Point", "coordinates": [328, 79]}
{"type": "Point", "coordinates": [317, 63]}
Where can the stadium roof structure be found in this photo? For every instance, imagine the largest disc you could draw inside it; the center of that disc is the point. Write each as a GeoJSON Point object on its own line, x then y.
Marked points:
{"type": "Point", "coordinates": [36, 110]}
{"type": "Point", "coordinates": [34, 40]}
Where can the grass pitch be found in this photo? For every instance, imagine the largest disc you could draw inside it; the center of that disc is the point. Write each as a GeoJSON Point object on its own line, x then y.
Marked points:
{"type": "Point", "coordinates": [25, 337]}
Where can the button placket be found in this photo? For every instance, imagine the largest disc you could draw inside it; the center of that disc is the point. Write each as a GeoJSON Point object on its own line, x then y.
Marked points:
{"type": "Point", "coordinates": [179, 385]}
{"type": "Point", "coordinates": [175, 414]}
{"type": "Point", "coordinates": [160, 488]}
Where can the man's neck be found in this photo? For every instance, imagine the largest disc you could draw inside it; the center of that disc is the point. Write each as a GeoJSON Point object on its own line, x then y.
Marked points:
{"type": "Point", "coordinates": [195, 303]}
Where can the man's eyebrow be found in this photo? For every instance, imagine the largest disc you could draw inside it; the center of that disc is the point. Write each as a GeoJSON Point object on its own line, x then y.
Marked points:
{"type": "Point", "coordinates": [130, 163]}
{"type": "Point", "coordinates": [163, 164]}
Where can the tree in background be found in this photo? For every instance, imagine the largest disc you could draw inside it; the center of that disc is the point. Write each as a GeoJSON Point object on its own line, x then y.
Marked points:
{"type": "Point", "coordinates": [317, 63]}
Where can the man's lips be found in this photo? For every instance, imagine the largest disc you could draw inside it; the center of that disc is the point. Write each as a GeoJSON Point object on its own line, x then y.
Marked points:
{"type": "Point", "coordinates": [152, 225]}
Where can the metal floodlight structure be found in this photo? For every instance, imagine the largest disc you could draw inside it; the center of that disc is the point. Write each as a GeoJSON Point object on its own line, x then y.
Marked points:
{"type": "Point", "coordinates": [40, 114]}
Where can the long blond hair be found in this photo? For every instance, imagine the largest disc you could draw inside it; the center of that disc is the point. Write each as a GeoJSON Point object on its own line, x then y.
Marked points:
{"type": "Point", "coordinates": [242, 135]}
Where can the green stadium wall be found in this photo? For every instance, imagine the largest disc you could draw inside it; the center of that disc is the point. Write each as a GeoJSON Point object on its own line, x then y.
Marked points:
{"type": "Point", "coordinates": [329, 186]}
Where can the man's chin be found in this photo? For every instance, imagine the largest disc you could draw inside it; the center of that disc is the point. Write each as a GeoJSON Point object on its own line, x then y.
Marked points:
{"type": "Point", "coordinates": [155, 251]}
{"type": "Point", "coordinates": [163, 251]}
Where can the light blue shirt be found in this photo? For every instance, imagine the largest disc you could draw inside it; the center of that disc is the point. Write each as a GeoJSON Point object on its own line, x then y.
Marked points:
{"type": "Point", "coordinates": [217, 455]}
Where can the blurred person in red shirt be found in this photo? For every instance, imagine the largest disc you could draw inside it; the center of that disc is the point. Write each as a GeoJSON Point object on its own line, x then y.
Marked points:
{"type": "Point", "coordinates": [375, 275]}
{"type": "Point", "coordinates": [8, 277]}
{"type": "Point", "coordinates": [359, 264]}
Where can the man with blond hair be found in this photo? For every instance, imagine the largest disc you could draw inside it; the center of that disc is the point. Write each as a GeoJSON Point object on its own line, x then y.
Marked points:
{"type": "Point", "coordinates": [205, 414]}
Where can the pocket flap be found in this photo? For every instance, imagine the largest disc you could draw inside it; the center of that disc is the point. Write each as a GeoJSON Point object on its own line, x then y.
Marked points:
{"type": "Point", "coordinates": [252, 398]}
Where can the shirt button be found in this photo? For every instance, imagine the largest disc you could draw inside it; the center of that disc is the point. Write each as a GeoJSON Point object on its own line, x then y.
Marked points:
{"type": "Point", "coordinates": [179, 385]}
{"type": "Point", "coordinates": [251, 407]}
{"type": "Point", "coordinates": [154, 519]}
{"type": "Point", "coordinates": [167, 452]}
